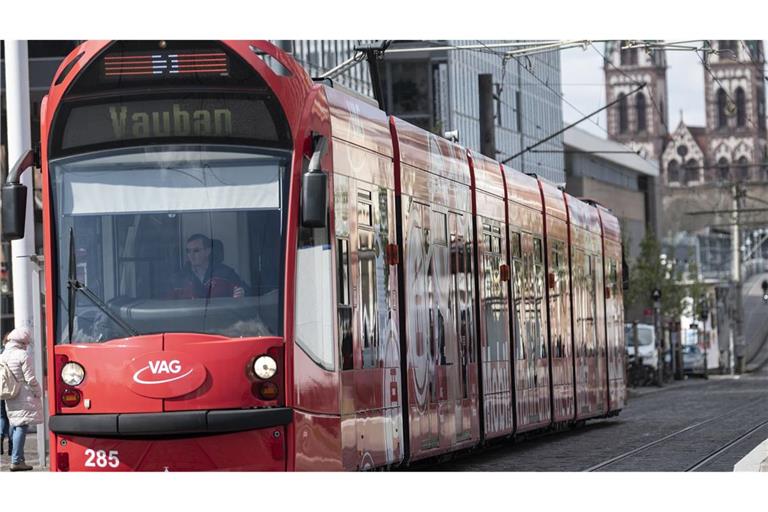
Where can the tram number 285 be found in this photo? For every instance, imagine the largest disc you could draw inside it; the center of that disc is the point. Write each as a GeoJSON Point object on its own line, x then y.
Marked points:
{"type": "Point", "coordinates": [101, 459]}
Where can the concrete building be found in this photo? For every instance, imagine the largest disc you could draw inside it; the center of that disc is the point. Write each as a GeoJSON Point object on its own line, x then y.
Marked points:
{"type": "Point", "coordinates": [607, 172]}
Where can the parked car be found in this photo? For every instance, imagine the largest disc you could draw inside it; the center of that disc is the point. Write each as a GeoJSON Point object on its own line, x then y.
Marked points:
{"type": "Point", "coordinates": [647, 350]}
{"type": "Point", "coordinates": [693, 361]}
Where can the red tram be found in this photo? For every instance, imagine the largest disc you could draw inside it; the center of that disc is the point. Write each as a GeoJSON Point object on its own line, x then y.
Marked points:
{"type": "Point", "coordinates": [246, 270]}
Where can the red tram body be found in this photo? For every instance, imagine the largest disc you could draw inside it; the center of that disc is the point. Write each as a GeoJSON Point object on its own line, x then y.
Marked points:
{"type": "Point", "coordinates": [448, 300]}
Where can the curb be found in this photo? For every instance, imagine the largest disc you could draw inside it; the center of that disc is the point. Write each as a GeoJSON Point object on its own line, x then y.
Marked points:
{"type": "Point", "coordinates": [756, 460]}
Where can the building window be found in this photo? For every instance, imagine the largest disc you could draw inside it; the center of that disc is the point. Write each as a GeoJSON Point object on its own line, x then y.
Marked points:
{"type": "Point", "coordinates": [410, 97]}
{"type": "Point", "coordinates": [728, 47]}
{"type": "Point", "coordinates": [623, 118]}
{"type": "Point", "coordinates": [741, 108]}
{"type": "Point", "coordinates": [691, 171]}
{"type": "Point", "coordinates": [723, 172]}
{"type": "Point", "coordinates": [743, 166]}
{"type": "Point", "coordinates": [640, 106]}
{"type": "Point", "coordinates": [628, 56]}
{"type": "Point", "coordinates": [673, 172]}
{"type": "Point", "coordinates": [722, 99]}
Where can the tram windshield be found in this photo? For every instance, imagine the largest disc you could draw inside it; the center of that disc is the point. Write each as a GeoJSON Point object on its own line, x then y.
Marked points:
{"type": "Point", "coordinates": [179, 238]}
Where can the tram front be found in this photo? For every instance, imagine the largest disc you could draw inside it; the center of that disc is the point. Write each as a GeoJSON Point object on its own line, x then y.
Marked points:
{"type": "Point", "coordinates": [167, 173]}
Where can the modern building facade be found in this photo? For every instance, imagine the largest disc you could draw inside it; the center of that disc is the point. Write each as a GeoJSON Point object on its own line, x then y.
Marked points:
{"type": "Point", "coordinates": [437, 89]}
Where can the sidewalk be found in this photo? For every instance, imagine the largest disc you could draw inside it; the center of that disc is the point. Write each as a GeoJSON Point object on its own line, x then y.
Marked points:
{"type": "Point", "coordinates": [674, 384]}
{"type": "Point", "coordinates": [30, 454]}
{"type": "Point", "coordinates": [756, 460]}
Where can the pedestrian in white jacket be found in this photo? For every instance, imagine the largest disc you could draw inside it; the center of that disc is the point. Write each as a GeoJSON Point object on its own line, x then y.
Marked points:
{"type": "Point", "coordinates": [26, 408]}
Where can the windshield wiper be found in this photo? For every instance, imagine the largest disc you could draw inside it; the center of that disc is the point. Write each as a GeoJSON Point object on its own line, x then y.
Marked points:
{"type": "Point", "coordinates": [74, 286]}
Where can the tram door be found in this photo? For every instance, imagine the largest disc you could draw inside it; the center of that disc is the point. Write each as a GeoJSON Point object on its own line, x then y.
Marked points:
{"type": "Point", "coordinates": [591, 358]}
{"type": "Point", "coordinates": [494, 322]}
{"type": "Point", "coordinates": [601, 348]}
{"type": "Point", "coordinates": [368, 324]}
{"type": "Point", "coordinates": [583, 333]}
{"type": "Point", "coordinates": [529, 331]}
{"type": "Point", "coordinates": [461, 294]}
{"type": "Point", "coordinates": [615, 334]}
{"type": "Point", "coordinates": [560, 331]}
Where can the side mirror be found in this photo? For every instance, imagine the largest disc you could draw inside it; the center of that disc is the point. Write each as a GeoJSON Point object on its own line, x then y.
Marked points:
{"type": "Point", "coordinates": [14, 196]}
{"type": "Point", "coordinates": [314, 188]}
{"type": "Point", "coordinates": [14, 210]}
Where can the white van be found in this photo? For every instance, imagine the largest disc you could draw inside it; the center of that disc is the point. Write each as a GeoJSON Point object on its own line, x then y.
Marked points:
{"type": "Point", "coordinates": [646, 345]}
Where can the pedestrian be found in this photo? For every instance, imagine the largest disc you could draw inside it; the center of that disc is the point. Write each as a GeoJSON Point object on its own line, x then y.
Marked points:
{"type": "Point", "coordinates": [26, 408]}
{"type": "Point", "coordinates": [4, 424]}
{"type": "Point", "coordinates": [5, 427]}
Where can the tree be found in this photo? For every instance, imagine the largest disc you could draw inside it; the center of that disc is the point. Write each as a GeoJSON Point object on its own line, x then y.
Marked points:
{"type": "Point", "coordinates": [697, 291]}
{"type": "Point", "coordinates": [649, 272]}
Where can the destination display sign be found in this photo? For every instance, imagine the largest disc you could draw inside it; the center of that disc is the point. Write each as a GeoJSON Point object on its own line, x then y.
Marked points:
{"type": "Point", "coordinates": [173, 118]}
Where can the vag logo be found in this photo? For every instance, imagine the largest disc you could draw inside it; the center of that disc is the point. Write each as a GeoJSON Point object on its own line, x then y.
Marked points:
{"type": "Point", "coordinates": [160, 368]}
{"type": "Point", "coordinates": [164, 375]}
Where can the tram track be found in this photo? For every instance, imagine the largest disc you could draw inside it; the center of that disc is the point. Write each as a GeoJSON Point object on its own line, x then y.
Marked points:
{"type": "Point", "coordinates": [716, 453]}
{"type": "Point", "coordinates": [701, 462]}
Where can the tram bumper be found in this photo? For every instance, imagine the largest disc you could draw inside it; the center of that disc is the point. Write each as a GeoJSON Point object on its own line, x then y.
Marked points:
{"type": "Point", "coordinates": [224, 440]}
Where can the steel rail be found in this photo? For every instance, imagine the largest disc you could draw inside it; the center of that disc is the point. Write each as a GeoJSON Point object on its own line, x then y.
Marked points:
{"type": "Point", "coordinates": [669, 436]}
{"type": "Point", "coordinates": [723, 448]}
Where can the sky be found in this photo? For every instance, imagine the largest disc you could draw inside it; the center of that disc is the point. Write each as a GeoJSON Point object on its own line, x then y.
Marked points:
{"type": "Point", "coordinates": [583, 87]}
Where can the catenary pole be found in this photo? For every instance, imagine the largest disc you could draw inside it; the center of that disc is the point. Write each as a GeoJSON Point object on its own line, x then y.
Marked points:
{"type": "Point", "coordinates": [487, 121]}
{"type": "Point", "coordinates": [737, 356]}
{"type": "Point", "coordinates": [23, 250]}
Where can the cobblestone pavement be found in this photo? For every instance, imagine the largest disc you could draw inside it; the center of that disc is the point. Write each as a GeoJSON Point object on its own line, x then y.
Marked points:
{"type": "Point", "coordinates": [651, 414]}
{"type": "Point", "coordinates": [30, 453]}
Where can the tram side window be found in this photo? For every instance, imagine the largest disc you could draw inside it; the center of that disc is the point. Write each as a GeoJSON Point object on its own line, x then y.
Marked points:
{"type": "Point", "coordinates": [559, 298]}
{"type": "Point", "coordinates": [598, 311]}
{"type": "Point", "coordinates": [314, 308]}
{"type": "Point", "coordinates": [341, 215]}
{"type": "Point", "coordinates": [440, 251]}
{"type": "Point", "coordinates": [591, 305]}
{"type": "Point", "coordinates": [344, 306]}
{"type": "Point", "coordinates": [517, 294]}
{"type": "Point", "coordinates": [493, 292]}
{"type": "Point", "coordinates": [538, 289]}
{"type": "Point", "coordinates": [578, 301]}
{"type": "Point", "coordinates": [366, 255]}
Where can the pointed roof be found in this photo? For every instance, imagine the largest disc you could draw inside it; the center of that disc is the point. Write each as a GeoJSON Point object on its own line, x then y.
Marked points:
{"type": "Point", "coordinates": [685, 134]}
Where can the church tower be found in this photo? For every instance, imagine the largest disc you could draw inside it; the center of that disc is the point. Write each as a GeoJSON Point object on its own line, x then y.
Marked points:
{"type": "Point", "coordinates": [734, 89]}
{"type": "Point", "coordinates": [639, 120]}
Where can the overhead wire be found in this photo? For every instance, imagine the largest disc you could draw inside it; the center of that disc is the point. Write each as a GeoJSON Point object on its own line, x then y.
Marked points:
{"type": "Point", "coordinates": [538, 79]}
{"type": "Point", "coordinates": [752, 59]}
{"type": "Point", "coordinates": [562, 98]}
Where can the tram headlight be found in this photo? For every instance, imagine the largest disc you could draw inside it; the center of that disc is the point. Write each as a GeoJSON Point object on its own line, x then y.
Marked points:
{"type": "Point", "coordinates": [265, 367]}
{"type": "Point", "coordinates": [72, 374]}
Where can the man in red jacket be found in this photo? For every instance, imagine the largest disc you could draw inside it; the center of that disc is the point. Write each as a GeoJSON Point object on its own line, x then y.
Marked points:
{"type": "Point", "coordinates": [203, 276]}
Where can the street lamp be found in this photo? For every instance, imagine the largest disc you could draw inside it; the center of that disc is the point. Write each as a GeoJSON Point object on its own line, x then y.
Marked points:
{"type": "Point", "coordinates": [704, 316]}
{"type": "Point", "coordinates": [656, 298]}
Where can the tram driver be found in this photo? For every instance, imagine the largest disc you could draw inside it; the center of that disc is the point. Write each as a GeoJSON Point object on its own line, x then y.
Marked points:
{"type": "Point", "coordinates": [204, 275]}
